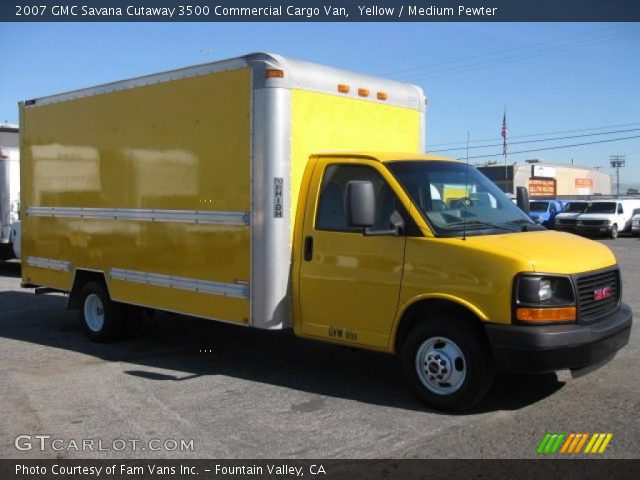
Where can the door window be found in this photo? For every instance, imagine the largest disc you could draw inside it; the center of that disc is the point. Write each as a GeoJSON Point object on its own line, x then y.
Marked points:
{"type": "Point", "coordinates": [331, 207]}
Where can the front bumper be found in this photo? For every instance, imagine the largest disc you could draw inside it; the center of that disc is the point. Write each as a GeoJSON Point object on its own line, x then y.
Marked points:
{"type": "Point", "coordinates": [566, 227]}
{"type": "Point", "coordinates": [547, 348]}
{"type": "Point", "coordinates": [593, 229]}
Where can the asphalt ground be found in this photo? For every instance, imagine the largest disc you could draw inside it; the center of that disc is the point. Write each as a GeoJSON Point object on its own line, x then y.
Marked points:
{"type": "Point", "coordinates": [243, 393]}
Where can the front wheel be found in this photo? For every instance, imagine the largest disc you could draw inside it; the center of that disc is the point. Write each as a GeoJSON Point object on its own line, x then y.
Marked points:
{"type": "Point", "coordinates": [614, 231]}
{"type": "Point", "coordinates": [447, 363]}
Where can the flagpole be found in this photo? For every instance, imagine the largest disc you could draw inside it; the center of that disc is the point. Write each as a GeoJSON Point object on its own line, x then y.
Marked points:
{"type": "Point", "coordinates": [504, 147]}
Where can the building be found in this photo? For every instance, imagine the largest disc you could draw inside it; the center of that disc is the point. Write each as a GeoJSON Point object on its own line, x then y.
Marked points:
{"type": "Point", "coordinates": [544, 179]}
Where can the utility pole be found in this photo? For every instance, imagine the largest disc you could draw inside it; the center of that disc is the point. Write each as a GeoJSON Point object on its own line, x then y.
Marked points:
{"type": "Point", "coordinates": [617, 161]}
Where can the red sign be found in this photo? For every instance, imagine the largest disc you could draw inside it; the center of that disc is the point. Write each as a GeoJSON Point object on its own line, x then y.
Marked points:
{"type": "Point", "coordinates": [584, 182]}
{"type": "Point", "coordinates": [539, 187]}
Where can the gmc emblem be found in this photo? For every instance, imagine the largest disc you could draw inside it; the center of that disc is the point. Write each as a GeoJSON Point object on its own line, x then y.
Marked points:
{"type": "Point", "coordinates": [601, 293]}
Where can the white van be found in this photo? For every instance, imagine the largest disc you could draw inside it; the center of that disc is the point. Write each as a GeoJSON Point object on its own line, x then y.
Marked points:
{"type": "Point", "coordinates": [607, 217]}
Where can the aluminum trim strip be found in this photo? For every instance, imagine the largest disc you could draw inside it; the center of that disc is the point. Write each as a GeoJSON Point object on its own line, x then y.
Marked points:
{"type": "Point", "coordinates": [49, 264]}
{"type": "Point", "coordinates": [298, 74]}
{"type": "Point", "coordinates": [170, 216]}
{"type": "Point", "coordinates": [193, 71]}
{"type": "Point", "coordinates": [236, 290]}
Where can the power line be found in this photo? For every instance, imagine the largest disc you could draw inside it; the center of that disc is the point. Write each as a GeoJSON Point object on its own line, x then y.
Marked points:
{"type": "Point", "coordinates": [499, 154]}
{"type": "Point", "coordinates": [540, 134]}
{"type": "Point", "coordinates": [511, 59]}
{"type": "Point", "coordinates": [498, 52]}
{"type": "Point", "coordinates": [539, 140]}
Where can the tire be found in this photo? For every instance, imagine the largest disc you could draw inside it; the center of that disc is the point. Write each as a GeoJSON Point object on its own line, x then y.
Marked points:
{"type": "Point", "coordinates": [455, 348]}
{"type": "Point", "coordinates": [613, 233]}
{"type": "Point", "coordinates": [101, 318]}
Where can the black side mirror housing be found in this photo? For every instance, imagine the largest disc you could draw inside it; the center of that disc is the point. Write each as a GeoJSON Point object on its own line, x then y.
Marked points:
{"type": "Point", "coordinates": [522, 199]}
{"type": "Point", "coordinates": [360, 204]}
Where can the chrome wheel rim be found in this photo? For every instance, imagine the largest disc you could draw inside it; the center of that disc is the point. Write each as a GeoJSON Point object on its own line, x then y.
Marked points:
{"type": "Point", "coordinates": [94, 312]}
{"type": "Point", "coordinates": [440, 365]}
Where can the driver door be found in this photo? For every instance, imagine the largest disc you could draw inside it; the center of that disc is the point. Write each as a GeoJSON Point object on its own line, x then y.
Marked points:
{"type": "Point", "coordinates": [349, 282]}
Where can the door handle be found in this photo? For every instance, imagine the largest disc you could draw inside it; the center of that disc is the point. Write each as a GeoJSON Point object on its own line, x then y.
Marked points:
{"type": "Point", "coordinates": [308, 248]}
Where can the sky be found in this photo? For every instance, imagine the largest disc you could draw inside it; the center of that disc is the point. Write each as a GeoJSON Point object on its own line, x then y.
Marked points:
{"type": "Point", "coordinates": [555, 79]}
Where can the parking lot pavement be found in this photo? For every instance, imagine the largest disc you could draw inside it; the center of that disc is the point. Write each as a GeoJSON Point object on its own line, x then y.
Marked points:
{"type": "Point", "coordinates": [267, 394]}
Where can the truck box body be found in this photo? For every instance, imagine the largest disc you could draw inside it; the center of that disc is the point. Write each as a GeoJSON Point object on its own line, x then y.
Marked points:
{"type": "Point", "coordinates": [181, 187]}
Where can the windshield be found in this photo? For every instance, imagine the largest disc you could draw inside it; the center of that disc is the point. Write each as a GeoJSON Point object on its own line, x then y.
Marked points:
{"type": "Point", "coordinates": [454, 197]}
{"type": "Point", "coordinates": [575, 207]}
{"type": "Point", "coordinates": [601, 207]}
{"type": "Point", "coordinates": [538, 206]}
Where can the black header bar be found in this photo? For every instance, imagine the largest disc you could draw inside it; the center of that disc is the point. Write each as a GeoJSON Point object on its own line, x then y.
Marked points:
{"type": "Point", "coordinates": [320, 11]}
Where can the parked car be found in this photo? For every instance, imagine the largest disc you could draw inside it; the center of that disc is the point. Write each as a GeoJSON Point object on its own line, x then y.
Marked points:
{"type": "Point", "coordinates": [544, 211]}
{"type": "Point", "coordinates": [608, 217]}
{"type": "Point", "coordinates": [566, 220]}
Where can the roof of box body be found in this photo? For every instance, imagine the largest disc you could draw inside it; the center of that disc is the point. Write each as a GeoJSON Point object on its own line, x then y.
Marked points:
{"type": "Point", "coordinates": [298, 74]}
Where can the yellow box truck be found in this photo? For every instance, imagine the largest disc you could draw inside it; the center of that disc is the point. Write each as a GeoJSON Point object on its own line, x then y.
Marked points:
{"type": "Point", "coordinates": [265, 192]}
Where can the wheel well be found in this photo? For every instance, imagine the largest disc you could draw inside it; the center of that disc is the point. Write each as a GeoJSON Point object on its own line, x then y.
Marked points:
{"type": "Point", "coordinates": [424, 309]}
{"type": "Point", "coordinates": [82, 277]}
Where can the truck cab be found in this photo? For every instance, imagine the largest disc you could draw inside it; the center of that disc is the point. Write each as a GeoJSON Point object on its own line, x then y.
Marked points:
{"type": "Point", "coordinates": [544, 212]}
{"type": "Point", "coordinates": [427, 257]}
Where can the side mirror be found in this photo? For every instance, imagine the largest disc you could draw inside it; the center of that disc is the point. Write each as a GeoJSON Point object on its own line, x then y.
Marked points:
{"type": "Point", "coordinates": [360, 204]}
{"type": "Point", "coordinates": [522, 196]}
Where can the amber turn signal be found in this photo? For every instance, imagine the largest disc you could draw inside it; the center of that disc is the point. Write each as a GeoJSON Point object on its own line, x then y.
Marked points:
{"type": "Point", "coordinates": [546, 315]}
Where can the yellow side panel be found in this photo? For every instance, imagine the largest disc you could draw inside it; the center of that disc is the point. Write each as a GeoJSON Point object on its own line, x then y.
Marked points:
{"type": "Point", "coordinates": [322, 122]}
{"type": "Point", "coordinates": [178, 145]}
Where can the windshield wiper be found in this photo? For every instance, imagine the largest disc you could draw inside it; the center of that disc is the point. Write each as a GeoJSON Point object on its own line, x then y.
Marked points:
{"type": "Point", "coordinates": [468, 223]}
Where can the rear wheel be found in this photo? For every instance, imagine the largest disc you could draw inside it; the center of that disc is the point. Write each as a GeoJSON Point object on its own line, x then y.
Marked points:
{"type": "Point", "coordinates": [613, 233]}
{"type": "Point", "coordinates": [101, 318]}
{"type": "Point", "coordinates": [447, 363]}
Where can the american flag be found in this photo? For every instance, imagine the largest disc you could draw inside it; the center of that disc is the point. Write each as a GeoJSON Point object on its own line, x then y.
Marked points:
{"type": "Point", "coordinates": [504, 133]}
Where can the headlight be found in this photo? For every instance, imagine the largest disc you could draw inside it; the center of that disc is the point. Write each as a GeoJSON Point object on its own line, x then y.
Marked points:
{"type": "Point", "coordinates": [544, 299]}
{"type": "Point", "coordinates": [544, 290]}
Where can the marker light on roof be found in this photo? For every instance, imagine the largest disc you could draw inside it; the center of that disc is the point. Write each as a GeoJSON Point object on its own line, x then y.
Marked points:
{"type": "Point", "coordinates": [273, 73]}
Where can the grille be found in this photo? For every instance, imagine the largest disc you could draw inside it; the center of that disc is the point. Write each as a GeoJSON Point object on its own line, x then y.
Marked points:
{"type": "Point", "coordinates": [563, 221]}
{"type": "Point", "coordinates": [590, 309]}
{"type": "Point", "coordinates": [594, 222]}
